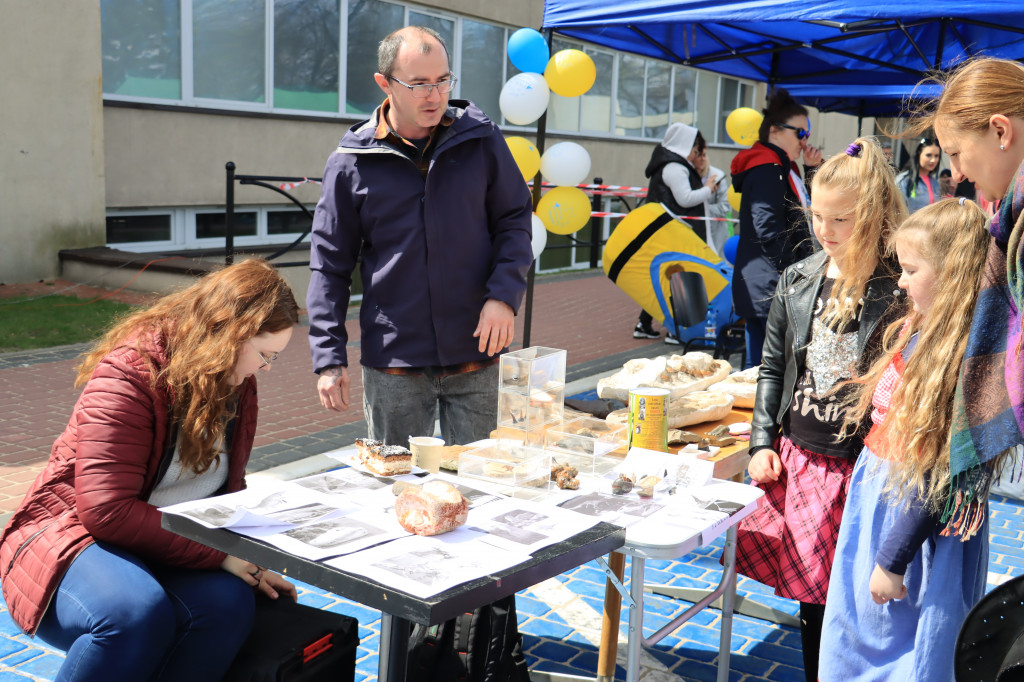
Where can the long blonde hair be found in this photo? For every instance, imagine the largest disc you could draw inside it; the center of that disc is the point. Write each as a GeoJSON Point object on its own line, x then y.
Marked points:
{"type": "Point", "coordinates": [972, 93]}
{"type": "Point", "coordinates": [879, 208]}
{"type": "Point", "coordinates": [953, 239]}
{"type": "Point", "coordinates": [202, 329]}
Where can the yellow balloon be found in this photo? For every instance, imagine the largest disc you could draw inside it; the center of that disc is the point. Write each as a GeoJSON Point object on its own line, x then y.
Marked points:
{"type": "Point", "coordinates": [570, 73]}
{"type": "Point", "coordinates": [743, 125]}
{"type": "Point", "coordinates": [526, 155]}
{"type": "Point", "coordinates": [734, 199]}
{"type": "Point", "coordinates": [564, 210]}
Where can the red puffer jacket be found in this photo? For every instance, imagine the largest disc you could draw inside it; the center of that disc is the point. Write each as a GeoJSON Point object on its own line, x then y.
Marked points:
{"type": "Point", "coordinates": [101, 471]}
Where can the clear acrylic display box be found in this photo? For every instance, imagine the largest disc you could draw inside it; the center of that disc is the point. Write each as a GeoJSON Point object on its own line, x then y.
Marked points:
{"type": "Point", "coordinates": [531, 393]}
{"type": "Point", "coordinates": [588, 444]}
{"type": "Point", "coordinates": [507, 463]}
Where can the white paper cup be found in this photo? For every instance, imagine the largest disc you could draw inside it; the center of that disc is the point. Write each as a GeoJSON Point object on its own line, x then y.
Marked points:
{"type": "Point", "coordinates": [426, 452]}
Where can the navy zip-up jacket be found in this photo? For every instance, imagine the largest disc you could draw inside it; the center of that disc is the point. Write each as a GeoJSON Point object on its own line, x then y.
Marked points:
{"type": "Point", "coordinates": [434, 249]}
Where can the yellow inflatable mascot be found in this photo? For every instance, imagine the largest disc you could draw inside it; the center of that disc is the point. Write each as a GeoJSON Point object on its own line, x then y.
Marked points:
{"type": "Point", "coordinates": [647, 246]}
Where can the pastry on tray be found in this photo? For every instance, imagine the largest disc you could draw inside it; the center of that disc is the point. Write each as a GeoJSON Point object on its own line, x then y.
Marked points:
{"type": "Point", "coordinates": [384, 460]}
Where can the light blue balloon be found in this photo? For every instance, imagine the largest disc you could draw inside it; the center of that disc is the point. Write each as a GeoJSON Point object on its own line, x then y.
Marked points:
{"type": "Point", "coordinates": [528, 50]}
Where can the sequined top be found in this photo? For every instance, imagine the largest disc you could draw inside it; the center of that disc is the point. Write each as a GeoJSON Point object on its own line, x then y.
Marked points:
{"type": "Point", "coordinates": [816, 414]}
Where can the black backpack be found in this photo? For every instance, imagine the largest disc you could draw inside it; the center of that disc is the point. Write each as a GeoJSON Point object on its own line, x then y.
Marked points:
{"type": "Point", "coordinates": [480, 646]}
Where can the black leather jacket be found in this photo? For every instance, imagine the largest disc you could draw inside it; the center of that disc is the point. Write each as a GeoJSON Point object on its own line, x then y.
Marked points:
{"type": "Point", "coordinates": [788, 333]}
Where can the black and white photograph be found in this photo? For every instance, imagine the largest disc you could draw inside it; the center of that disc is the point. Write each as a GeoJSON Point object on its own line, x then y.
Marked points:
{"type": "Point", "coordinates": [215, 515]}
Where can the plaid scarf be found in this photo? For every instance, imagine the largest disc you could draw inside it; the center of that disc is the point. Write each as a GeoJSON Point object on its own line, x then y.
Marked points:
{"type": "Point", "coordinates": [988, 407]}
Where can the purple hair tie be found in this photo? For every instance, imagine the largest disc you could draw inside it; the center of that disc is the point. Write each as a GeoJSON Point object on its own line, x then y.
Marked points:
{"type": "Point", "coordinates": [853, 149]}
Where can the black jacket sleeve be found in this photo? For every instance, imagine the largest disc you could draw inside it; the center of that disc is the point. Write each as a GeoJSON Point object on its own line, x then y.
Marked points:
{"type": "Point", "coordinates": [764, 425]}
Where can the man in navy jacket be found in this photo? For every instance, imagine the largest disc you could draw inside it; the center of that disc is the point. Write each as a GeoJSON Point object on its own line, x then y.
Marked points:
{"type": "Point", "coordinates": [428, 193]}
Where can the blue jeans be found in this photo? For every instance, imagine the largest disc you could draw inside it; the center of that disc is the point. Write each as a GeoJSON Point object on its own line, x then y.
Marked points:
{"type": "Point", "coordinates": [119, 619]}
{"type": "Point", "coordinates": [755, 327]}
{"type": "Point", "coordinates": [399, 406]}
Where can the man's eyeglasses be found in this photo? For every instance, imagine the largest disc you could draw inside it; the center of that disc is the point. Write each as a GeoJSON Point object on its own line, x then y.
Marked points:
{"type": "Point", "coordinates": [423, 90]}
{"type": "Point", "coordinates": [801, 134]}
{"type": "Point", "coordinates": [266, 359]}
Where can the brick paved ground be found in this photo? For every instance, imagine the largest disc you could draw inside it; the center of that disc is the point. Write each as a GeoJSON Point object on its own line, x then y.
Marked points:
{"type": "Point", "coordinates": [560, 618]}
{"type": "Point", "coordinates": [583, 313]}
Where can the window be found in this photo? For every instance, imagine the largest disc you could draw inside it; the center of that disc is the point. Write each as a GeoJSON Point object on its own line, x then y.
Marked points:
{"type": "Point", "coordinates": [368, 22]}
{"type": "Point", "coordinates": [153, 227]}
{"type": "Point", "coordinates": [211, 225]}
{"type": "Point", "coordinates": [141, 48]}
{"type": "Point", "coordinates": [480, 75]}
{"type": "Point", "coordinates": [684, 95]}
{"type": "Point", "coordinates": [238, 49]}
{"type": "Point", "coordinates": [228, 39]}
{"type": "Point", "coordinates": [630, 101]}
{"type": "Point", "coordinates": [287, 222]}
{"type": "Point", "coordinates": [732, 94]}
{"type": "Point", "coordinates": [596, 103]}
{"type": "Point", "coordinates": [657, 99]}
{"type": "Point", "coordinates": [306, 54]}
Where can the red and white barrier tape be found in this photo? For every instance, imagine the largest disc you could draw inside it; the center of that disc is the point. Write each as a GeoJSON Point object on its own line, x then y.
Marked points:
{"type": "Point", "coordinates": [292, 185]}
{"type": "Point", "coordinates": [603, 214]}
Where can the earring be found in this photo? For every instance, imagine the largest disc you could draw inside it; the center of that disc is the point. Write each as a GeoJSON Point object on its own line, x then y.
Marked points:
{"type": "Point", "coordinates": [1002, 147]}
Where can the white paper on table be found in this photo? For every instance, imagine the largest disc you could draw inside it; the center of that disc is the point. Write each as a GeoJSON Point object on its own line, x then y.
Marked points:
{"type": "Point", "coordinates": [622, 510]}
{"type": "Point", "coordinates": [675, 470]}
{"type": "Point", "coordinates": [476, 496]}
{"type": "Point", "coordinates": [519, 527]}
{"type": "Point", "coordinates": [339, 535]}
{"type": "Point", "coordinates": [275, 504]}
{"type": "Point", "coordinates": [711, 508]}
{"type": "Point", "coordinates": [424, 566]}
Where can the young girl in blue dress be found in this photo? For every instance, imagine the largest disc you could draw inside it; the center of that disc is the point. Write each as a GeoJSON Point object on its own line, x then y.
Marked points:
{"type": "Point", "coordinates": [902, 580]}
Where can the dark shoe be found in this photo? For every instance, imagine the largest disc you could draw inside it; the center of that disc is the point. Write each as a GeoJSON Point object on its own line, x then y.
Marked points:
{"type": "Point", "coordinates": [670, 338]}
{"type": "Point", "coordinates": [642, 332]}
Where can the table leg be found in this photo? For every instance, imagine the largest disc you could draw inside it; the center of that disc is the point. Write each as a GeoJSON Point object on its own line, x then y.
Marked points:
{"type": "Point", "coordinates": [394, 648]}
{"type": "Point", "coordinates": [636, 619]}
{"type": "Point", "coordinates": [728, 601]}
{"type": "Point", "coordinates": [609, 646]}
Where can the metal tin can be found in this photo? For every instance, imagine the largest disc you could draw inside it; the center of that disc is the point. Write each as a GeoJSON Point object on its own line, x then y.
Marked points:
{"type": "Point", "coordinates": [648, 418]}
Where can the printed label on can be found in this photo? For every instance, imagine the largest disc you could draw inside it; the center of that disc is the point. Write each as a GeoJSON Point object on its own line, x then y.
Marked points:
{"type": "Point", "coordinates": [648, 418]}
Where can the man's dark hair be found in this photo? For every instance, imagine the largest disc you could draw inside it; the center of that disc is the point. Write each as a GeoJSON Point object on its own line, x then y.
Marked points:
{"type": "Point", "coordinates": [699, 143]}
{"type": "Point", "coordinates": [387, 51]}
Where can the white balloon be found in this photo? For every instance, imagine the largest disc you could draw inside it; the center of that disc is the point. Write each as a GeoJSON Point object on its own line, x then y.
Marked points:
{"type": "Point", "coordinates": [565, 164]}
{"type": "Point", "coordinates": [540, 236]}
{"type": "Point", "coordinates": [524, 98]}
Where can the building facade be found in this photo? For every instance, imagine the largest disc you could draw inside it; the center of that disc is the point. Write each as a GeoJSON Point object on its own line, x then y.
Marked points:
{"type": "Point", "coordinates": [119, 132]}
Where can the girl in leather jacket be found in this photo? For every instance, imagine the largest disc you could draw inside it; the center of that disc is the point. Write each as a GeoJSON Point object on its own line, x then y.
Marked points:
{"type": "Point", "coordinates": [823, 326]}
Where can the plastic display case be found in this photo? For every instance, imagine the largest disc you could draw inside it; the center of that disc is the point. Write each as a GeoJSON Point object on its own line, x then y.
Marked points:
{"type": "Point", "coordinates": [531, 393]}
{"type": "Point", "coordinates": [508, 463]}
{"type": "Point", "coordinates": [591, 445]}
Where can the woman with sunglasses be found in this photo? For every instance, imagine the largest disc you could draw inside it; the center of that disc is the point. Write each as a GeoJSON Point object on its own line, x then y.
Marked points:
{"type": "Point", "coordinates": [167, 415]}
{"type": "Point", "coordinates": [774, 233]}
{"type": "Point", "coordinates": [920, 185]}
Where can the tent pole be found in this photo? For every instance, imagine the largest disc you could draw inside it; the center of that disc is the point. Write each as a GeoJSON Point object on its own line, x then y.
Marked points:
{"type": "Point", "coordinates": [542, 125]}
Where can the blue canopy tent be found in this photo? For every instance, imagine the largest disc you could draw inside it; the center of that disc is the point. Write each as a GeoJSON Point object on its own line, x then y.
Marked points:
{"type": "Point", "coordinates": [866, 55]}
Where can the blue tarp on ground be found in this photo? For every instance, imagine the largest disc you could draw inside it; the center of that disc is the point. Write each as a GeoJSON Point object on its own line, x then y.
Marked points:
{"type": "Point", "coordinates": [873, 44]}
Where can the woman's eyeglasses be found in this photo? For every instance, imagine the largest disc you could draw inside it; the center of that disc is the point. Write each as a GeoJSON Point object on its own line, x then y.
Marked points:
{"type": "Point", "coordinates": [267, 360]}
{"type": "Point", "coordinates": [801, 134]}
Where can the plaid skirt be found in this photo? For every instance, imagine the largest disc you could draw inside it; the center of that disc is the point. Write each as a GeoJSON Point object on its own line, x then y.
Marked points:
{"type": "Point", "coordinates": [789, 542]}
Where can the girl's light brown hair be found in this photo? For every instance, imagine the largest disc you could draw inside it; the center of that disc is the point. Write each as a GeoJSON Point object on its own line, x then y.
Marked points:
{"type": "Point", "coordinates": [953, 239]}
{"type": "Point", "coordinates": [879, 209]}
{"type": "Point", "coordinates": [202, 329]}
{"type": "Point", "coordinates": [973, 93]}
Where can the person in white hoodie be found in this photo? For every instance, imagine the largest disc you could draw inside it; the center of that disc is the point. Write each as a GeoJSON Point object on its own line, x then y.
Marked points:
{"type": "Point", "coordinates": [717, 206]}
{"type": "Point", "coordinates": [676, 183]}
